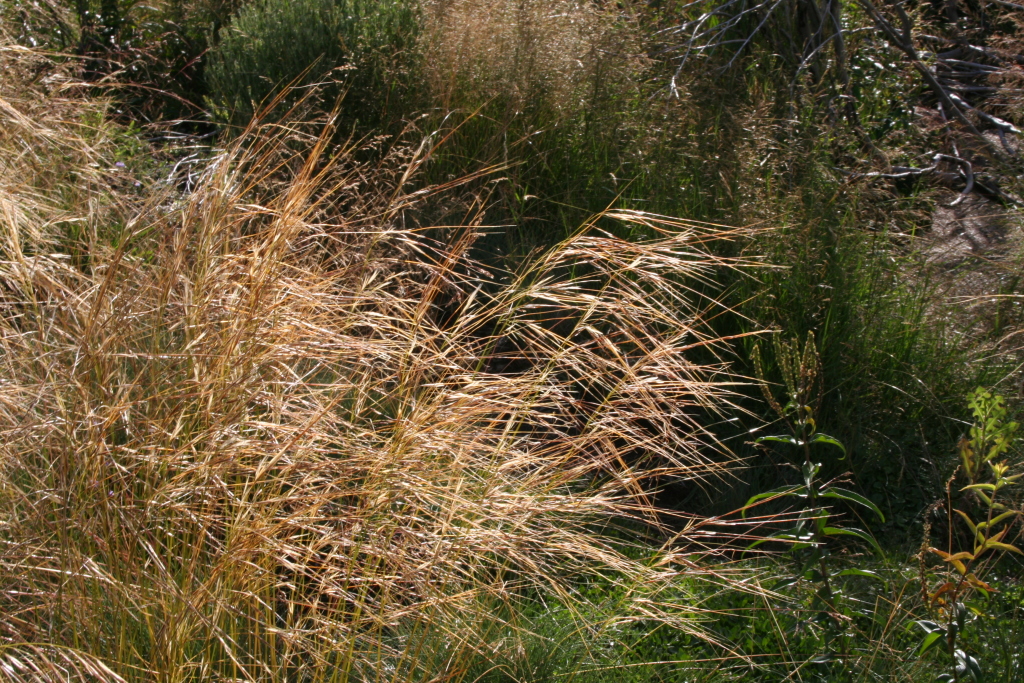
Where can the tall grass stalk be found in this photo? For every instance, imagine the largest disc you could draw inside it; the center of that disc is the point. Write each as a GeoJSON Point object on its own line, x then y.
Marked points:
{"type": "Point", "coordinates": [243, 440]}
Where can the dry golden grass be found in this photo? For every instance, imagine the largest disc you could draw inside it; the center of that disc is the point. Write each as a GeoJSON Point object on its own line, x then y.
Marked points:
{"type": "Point", "coordinates": [56, 145]}
{"type": "Point", "coordinates": [528, 53]}
{"type": "Point", "coordinates": [267, 434]}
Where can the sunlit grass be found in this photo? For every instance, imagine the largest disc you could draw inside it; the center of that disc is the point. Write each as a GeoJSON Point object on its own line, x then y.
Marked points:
{"type": "Point", "coordinates": [242, 441]}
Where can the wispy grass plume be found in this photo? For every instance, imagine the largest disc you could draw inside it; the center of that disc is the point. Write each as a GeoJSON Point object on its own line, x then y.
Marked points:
{"type": "Point", "coordinates": [267, 433]}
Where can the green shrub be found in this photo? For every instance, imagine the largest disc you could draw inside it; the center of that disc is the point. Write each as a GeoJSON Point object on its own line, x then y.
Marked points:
{"type": "Point", "coordinates": [322, 48]}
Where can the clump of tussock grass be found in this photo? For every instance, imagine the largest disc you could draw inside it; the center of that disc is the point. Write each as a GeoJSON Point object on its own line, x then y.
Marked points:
{"type": "Point", "coordinates": [243, 444]}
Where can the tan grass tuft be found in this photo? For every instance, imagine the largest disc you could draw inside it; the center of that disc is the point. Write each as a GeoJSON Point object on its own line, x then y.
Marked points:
{"type": "Point", "coordinates": [243, 443]}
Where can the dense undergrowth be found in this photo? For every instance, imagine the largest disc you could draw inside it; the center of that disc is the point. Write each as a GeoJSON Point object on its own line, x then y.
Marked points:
{"type": "Point", "coordinates": [509, 340]}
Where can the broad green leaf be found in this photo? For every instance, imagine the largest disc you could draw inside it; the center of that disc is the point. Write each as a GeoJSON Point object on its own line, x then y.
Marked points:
{"type": "Point", "coordinates": [788, 581]}
{"type": "Point", "coordinates": [831, 440]}
{"type": "Point", "coordinates": [857, 533]}
{"type": "Point", "coordinates": [759, 542]}
{"type": "Point", "coordinates": [967, 666]}
{"type": "Point", "coordinates": [929, 642]}
{"type": "Point", "coordinates": [797, 541]}
{"type": "Point", "coordinates": [810, 470]}
{"type": "Point", "coordinates": [928, 626]}
{"type": "Point", "coordinates": [961, 613]}
{"type": "Point", "coordinates": [850, 496]}
{"type": "Point", "coordinates": [781, 492]}
{"type": "Point", "coordinates": [779, 439]}
{"type": "Point", "coordinates": [1005, 515]}
{"type": "Point", "coordinates": [1003, 546]}
{"type": "Point", "coordinates": [979, 584]}
{"type": "Point", "coordinates": [813, 575]}
{"type": "Point", "coordinates": [860, 572]}
{"type": "Point", "coordinates": [995, 538]}
{"type": "Point", "coordinates": [970, 522]}
{"type": "Point", "coordinates": [973, 607]}
{"type": "Point", "coordinates": [975, 667]}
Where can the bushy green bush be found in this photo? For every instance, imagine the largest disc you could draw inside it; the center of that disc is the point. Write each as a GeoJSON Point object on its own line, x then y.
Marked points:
{"type": "Point", "coordinates": [359, 49]}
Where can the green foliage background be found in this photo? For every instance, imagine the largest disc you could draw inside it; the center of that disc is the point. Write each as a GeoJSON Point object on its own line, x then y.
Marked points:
{"type": "Point", "coordinates": [362, 49]}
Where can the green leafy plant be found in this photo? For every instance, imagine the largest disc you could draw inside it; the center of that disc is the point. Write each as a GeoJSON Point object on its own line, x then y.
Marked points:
{"type": "Point", "coordinates": [990, 437]}
{"type": "Point", "coordinates": [808, 538]}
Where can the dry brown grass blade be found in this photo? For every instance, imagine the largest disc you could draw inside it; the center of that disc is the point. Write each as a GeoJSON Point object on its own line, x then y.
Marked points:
{"type": "Point", "coordinates": [31, 663]}
{"type": "Point", "coordinates": [251, 442]}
